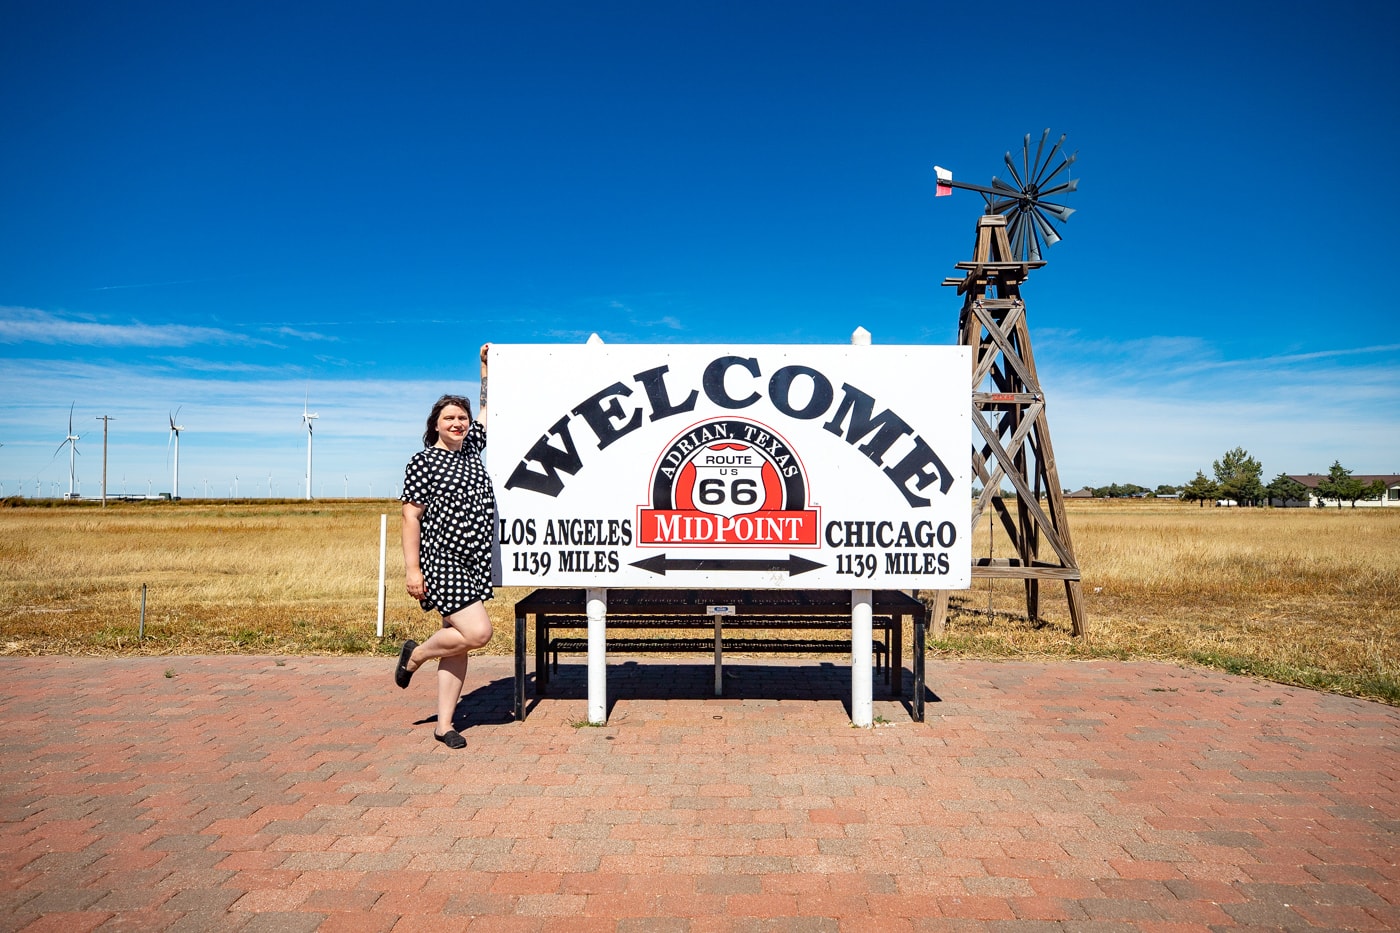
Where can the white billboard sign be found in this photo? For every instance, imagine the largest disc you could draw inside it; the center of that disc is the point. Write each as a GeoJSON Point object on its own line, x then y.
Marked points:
{"type": "Point", "coordinates": [759, 467]}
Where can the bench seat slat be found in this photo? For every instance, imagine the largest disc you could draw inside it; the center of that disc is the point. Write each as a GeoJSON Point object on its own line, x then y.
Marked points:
{"type": "Point", "coordinates": [558, 646]}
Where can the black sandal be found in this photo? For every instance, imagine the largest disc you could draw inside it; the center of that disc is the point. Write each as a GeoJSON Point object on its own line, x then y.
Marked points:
{"type": "Point", "coordinates": [402, 675]}
{"type": "Point", "coordinates": [451, 738]}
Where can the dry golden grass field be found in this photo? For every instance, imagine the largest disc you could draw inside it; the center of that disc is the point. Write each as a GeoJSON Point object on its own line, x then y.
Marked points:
{"type": "Point", "coordinates": [1307, 597]}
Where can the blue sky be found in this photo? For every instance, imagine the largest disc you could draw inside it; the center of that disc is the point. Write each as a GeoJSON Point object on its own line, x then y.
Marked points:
{"type": "Point", "coordinates": [233, 209]}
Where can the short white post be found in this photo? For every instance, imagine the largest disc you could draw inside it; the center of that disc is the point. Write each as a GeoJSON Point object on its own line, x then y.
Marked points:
{"type": "Point", "coordinates": [383, 535]}
{"type": "Point", "coordinates": [597, 600]}
{"type": "Point", "coordinates": [862, 633]}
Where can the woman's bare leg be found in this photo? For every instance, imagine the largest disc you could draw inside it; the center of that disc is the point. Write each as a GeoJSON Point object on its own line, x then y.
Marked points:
{"type": "Point", "coordinates": [452, 676]}
{"type": "Point", "coordinates": [466, 630]}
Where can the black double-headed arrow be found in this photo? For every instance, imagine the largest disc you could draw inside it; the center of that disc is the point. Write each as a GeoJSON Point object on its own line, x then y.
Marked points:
{"type": "Point", "coordinates": [793, 564]}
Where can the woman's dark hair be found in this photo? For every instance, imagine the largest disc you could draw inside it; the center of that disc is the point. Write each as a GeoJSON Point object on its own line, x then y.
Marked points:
{"type": "Point", "coordinates": [430, 436]}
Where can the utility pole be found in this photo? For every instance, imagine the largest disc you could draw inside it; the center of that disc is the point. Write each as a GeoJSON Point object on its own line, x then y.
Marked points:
{"type": "Point", "coordinates": [104, 419]}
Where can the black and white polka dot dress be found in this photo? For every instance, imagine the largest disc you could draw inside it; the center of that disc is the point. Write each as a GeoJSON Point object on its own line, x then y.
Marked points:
{"type": "Point", "coordinates": [454, 549]}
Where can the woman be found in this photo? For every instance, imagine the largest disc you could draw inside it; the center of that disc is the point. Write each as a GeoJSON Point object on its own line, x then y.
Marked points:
{"type": "Point", "coordinates": [448, 512]}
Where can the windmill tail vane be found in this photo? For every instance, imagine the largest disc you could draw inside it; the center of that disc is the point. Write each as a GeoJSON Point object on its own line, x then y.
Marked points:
{"type": "Point", "coordinates": [945, 181]}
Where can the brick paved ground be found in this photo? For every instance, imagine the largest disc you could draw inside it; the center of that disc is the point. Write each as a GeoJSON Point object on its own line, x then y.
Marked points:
{"type": "Point", "coordinates": [259, 794]}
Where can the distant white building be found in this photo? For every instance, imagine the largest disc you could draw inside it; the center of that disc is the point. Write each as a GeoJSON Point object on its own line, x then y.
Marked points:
{"type": "Point", "coordinates": [1391, 498]}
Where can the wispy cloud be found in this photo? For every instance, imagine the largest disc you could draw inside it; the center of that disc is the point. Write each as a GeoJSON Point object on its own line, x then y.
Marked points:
{"type": "Point", "coordinates": [30, 325]}
{"type": "Point", "coordinates": [1150, 411]}
{"type": "Point", "coordinates": [304, 334]}
{"type": "Point", "coordinates": [639, 321]}
{"type": "Point", "coordinates": [1160, 408]}
{"type": "Point", "coordinates": [191, 364]}
{"type": "Point", "coordinates": [245, 422]}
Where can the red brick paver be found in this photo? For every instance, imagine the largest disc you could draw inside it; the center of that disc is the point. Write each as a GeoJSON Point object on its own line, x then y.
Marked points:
{"type": "Point", "coordinates": [307, 793]}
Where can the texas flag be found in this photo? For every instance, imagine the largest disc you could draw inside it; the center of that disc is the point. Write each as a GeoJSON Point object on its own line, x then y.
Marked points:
{"type": "Point", "coordinates": [944, 177]}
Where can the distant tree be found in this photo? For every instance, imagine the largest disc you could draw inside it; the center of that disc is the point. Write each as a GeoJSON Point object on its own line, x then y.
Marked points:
{"type": "Point", "coordinates": [1116, 491]}
{"type": "Point", "coordinates": [1239, 477]}
{"type": "Point", "coordinates": [1200, 489]}
{"type": "Point", "coordinates": [1284, 487]}
{"type": "Point", "coordinates": [1166, 490]}
{"type": "Point", "coordinates": [1339, 485]}
{"type": "Point", "coordinates": [1342, 486]}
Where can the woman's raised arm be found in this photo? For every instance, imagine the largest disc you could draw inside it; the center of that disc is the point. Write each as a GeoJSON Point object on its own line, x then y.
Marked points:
{"type": "Point", "coordinates": [481, 408]}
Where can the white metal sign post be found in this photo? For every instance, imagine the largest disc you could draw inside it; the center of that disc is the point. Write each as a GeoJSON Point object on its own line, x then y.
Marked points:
{"type": "Point", "coordinates": [749, 467]}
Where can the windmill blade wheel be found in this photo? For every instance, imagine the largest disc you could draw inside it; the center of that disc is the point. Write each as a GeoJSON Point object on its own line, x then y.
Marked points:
{"type": "Point", "coordinates": [1030, 218]}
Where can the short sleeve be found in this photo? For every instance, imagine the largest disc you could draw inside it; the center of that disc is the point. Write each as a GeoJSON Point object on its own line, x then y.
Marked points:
{"type": "Point", "coordinates": [475, 440]}
{"type": "Point", "coordinates": [417, 480]}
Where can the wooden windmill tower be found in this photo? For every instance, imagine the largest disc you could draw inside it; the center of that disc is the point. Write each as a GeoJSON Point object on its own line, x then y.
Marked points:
{"type": "Point", "coordinates": [1008, 406]}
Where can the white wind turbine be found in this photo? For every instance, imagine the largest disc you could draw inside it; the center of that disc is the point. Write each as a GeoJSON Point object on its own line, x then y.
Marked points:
{"type": "Point", "coordinates": [72, 441]}
{"type": "Point", "coordinates": [307, 417]}
{"type": "Point", "coordinates": [175, 430]}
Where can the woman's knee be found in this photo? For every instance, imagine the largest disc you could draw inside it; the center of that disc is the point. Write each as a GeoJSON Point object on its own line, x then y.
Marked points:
{"type": "Point", "coordinates": [477, 635]}
{"type": "Point", "coordinates": [473, 625]}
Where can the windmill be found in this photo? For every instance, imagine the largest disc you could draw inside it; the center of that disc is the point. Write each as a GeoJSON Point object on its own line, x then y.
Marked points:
{"type": "Point", "coordinates": [1008, 404]}
{"type": "Point", "coordinates": [307, 417]}
{"type": "Point", "coordinates": [1029, 215]}
{"type": "Point", "coordinates": [72, 441]}
{"type": "Point", "coordinates": [174, 437]}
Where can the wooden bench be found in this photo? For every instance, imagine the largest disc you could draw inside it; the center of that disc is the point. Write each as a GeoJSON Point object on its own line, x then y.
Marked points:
{"type": "Point", "coordinates": [662, 638]}
{"type": "Point", "coordinates": [668, 622]}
